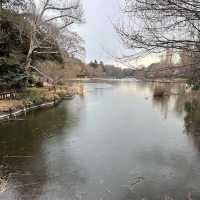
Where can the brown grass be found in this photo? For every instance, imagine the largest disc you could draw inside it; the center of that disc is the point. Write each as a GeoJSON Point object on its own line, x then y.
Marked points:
{"type": "Point", "coordinates": [36, 96]}
{"type": "Point", "coordinates": [6, 105]}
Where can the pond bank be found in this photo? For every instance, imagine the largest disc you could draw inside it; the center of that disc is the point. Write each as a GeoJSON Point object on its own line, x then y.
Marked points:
{"type": "Point", "coordinates": [178, 80]}
{"type": "Point", "coordinates": [37, 98]}
{"type": "Point", "coordinates": [156, 80]}
{"type": "Point", "coordinates": [13, 114]}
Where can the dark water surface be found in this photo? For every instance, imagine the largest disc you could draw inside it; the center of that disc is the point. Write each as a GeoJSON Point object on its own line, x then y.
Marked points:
{"type": "Point", "coordinates": [116, 143]}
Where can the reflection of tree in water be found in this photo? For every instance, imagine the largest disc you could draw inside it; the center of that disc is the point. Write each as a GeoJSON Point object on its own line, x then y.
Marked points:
{"type": "Point", "coordinates": [192, 121]}
{"type": "Point", "coordinates": [189, 103]}
{"type": "Point", "coordinates": [180, 103]}
{"type": "Point", "coordinates": [180, 100]}
{"type": "Point", "coordinates": [163, 103]}
{"type": "Point", "coordinates": [175, 97]}
{"type": "Point", "coordinates": [141, 85]}
{"type": "Point", "coordinates": [22, 160]}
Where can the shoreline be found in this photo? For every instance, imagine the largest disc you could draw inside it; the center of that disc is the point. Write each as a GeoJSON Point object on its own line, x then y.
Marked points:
{"type": "Point", "coordinates": [13, 113]}
{"type": "Point", "coordinates": [18, 112]}
{"type": "Point", "coordinates": [37, 98]}
{"type": "Point", "coordinates": [158, 80]}
{"type": "Point", "coordinates": [165, 80]}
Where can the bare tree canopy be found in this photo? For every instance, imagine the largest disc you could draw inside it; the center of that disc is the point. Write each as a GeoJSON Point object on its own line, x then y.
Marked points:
{"type": "Point", "coordinates": [153, 25]}
{"type": "Point", "coordinates": [12, 4]}
{"type": "Point", "coordinates": [71, 43]}
{"type": "Point", "coordinates": [48, 18]}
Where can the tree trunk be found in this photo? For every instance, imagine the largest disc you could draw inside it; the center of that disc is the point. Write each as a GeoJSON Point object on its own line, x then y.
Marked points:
{"type": "Point", "coordinates": [29, 55]}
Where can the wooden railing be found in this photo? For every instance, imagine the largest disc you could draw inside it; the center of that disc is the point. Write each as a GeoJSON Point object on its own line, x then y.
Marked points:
{"type": "Point", "coordinates": [7, 95]}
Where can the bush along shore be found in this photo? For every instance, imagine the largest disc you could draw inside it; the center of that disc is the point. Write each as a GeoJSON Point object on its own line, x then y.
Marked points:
{"type": "Point", "coordinates": [29, 99]}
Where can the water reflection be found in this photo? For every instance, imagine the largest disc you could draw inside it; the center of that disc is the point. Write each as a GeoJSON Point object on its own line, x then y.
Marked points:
{"type": "Point", "coordinates": [163, 104]}
{"type": "Point", "coordinates": [192, 119]}
{"type": "Point", "coordinates": [187, 104]}
{"type": "Point", "coordinates": [116, 143]}
{"type": "Point", "coordinates": [25, 164]}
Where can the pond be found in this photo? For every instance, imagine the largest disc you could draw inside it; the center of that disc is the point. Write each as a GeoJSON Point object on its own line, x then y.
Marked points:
{"type": "Point", "coordinates": [117, 142]}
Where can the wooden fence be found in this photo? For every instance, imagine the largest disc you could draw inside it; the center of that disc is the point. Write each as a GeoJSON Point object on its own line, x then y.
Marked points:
{"type": "Point", "coordinates": [7, 95]}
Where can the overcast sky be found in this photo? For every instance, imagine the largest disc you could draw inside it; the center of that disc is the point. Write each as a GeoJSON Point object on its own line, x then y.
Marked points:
{"type": "Point", "coordinates": [101, 40]}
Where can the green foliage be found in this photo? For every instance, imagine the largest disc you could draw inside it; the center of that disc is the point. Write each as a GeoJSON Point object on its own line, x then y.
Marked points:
{"type": "Point", "coordinates": [13, 49]}
{"type": "Point", "coordinates": [15, 29]}
{"type": "Point", "coordinates": [14, 40]}
{"type": "Point", "coordinates": [14, 44]}
{"type": "Point", "coordinates": [60, 83]}
{"type": "Point", "coordinates": [34, 99]}
{"type": "Point", "coordinates": [32, 96]}
{"type": "Point", "coordinates": [94, 64]}
{"type": "Point", "coordinates": [2, 2]}
{"type": "Point", "coordinates": [13, 76]}
{"type": "Point", "coordinates": [188, 107]}
{"type": "Point", "coordinates": [192, 118]}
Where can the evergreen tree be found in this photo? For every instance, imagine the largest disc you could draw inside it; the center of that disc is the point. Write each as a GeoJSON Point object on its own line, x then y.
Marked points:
{"type": "Point", "coordinates": [2, 2]}
{"type": "Point", "coordinates": [94, 64]}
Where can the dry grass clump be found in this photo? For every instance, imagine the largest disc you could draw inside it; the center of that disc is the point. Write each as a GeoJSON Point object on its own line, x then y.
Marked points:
{"type": "Point", "coordinates": [6, 105]}
{"type": "Point", "coordinates": [36, 96]}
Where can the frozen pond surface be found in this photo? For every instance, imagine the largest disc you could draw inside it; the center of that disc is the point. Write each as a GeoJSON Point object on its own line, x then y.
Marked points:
{"type": "Point", "coordinates": [116, 143]}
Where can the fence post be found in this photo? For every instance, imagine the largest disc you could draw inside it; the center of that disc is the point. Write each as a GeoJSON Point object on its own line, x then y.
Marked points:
{"type": "Point", "coordinates": [7, 95]}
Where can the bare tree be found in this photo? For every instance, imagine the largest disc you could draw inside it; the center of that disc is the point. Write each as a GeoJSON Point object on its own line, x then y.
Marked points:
{"type": "Point", "coordinates": [154, 25]}
{"type": "Point", "coordinates": [71, 44]}
{"type": "Point", "coordinates": [46, 20]}
{"type": "Point", "coordinates": [16, 5]}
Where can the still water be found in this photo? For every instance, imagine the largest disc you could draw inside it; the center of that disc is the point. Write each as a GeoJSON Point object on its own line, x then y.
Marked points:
{"type": "Point", "coordinates": [116, 143]}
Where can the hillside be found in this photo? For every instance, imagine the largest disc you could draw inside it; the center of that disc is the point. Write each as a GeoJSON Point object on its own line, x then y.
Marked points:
{"type": "Point", "coordinates": [14, 47]}
{"type": "Point", "coordinates": [14, 44]}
